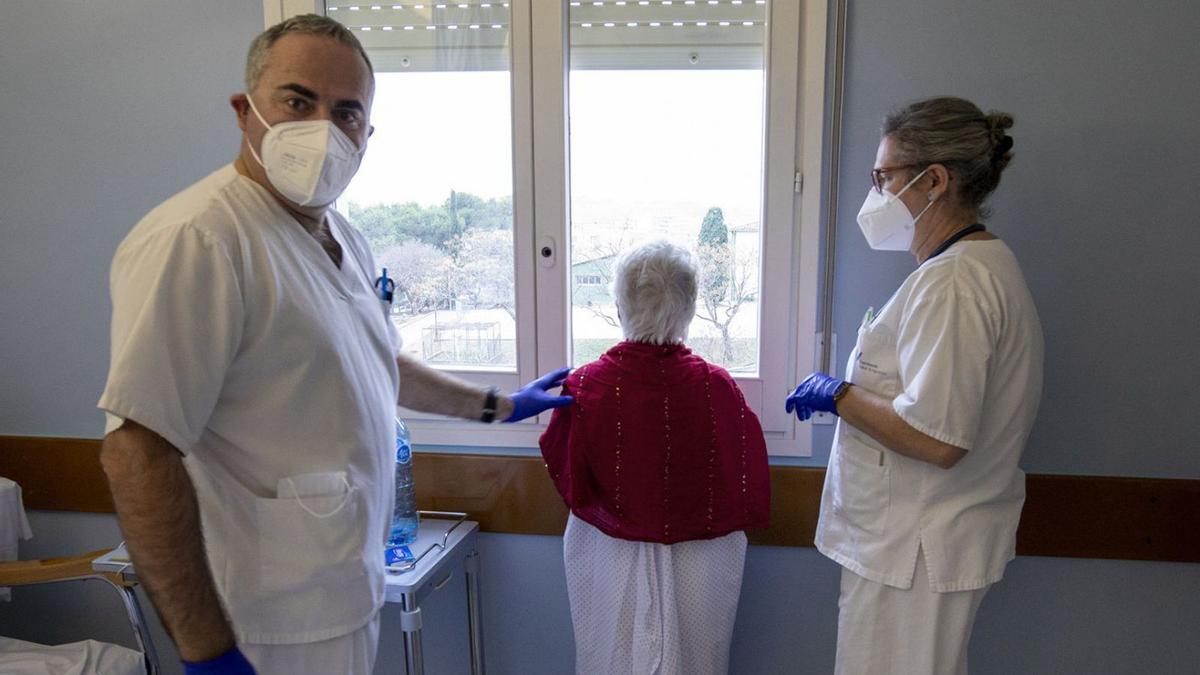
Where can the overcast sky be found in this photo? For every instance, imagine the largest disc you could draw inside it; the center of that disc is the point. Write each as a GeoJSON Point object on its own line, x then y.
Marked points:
{"type": "Point", "coordinates": [666, 141]}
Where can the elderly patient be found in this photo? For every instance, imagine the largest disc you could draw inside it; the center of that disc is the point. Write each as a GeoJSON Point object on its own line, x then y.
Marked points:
{"type": "Point", "coordinates": [663, 466]}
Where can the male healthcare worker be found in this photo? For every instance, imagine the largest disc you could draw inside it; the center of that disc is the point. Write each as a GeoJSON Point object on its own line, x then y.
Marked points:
{"type": "Point", "coordinates": [254, 380]}
{"type": "Point", "coordinates": [923, 493]}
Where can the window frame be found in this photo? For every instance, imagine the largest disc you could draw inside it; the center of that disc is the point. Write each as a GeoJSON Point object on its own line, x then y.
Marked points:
{"type": "Point", "coordinates": [794, 113]}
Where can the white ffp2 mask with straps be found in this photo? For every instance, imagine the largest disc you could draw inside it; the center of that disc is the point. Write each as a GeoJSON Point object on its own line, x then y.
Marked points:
{"type": "Point", "coordinates": [309, 162]}
{"type": "Point", "coordinates": [886, 222]}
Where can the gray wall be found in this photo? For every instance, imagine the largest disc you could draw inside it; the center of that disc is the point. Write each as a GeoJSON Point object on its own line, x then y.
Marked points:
{"type": "Point", "coordinates": [111, 107]}
{"type": "Point", "coordinates": [108, 108]}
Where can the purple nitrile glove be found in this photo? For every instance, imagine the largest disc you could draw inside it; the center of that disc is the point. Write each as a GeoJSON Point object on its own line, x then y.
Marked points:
{"type": "Point", "coordinates": [533, 399]}
{"type": "Point", "coordinates": [814, 394]}
{"type": "Point", "coordinates": [232, 662]}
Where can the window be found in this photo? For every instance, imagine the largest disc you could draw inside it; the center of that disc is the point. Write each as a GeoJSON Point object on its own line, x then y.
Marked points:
{"type": "Point", "coordinates": [666, 110]}
{"type": "Point", "coordinates": [521, 145]}
{"type": "Point", "coordinates": [434, 194]}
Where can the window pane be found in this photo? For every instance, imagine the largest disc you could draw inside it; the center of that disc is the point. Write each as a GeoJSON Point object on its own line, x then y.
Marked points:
{"type": "Point", "coordinates": [666, 133]}
{"type": "Point", "coordinates": [434, 194]}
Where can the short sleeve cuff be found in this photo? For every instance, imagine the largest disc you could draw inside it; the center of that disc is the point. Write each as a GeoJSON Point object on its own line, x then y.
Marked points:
{"type": "Point", "coordinates": [120, 409]}
{"type": "Point", "coordinates": [930, 430]}
{"type": "Point", "coordinates": [112, 422]}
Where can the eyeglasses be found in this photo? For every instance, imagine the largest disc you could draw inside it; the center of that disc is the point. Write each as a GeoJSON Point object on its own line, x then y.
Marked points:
{"type": "Point", "coordinates": [877, 174]}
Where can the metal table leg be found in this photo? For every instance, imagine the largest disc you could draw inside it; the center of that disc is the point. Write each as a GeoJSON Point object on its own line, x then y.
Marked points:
{"type": "Point", "coordinates": [473, 620]}
{"type": "Point", "coordinates": [141, 632]}
{"type": "Point", "coordinates": [410, 623]}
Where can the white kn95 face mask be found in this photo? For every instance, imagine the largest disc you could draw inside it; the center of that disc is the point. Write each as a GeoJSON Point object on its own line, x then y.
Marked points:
{"type": "Point", "coordinates": [309, 162]}
{"type": "Point", "coordinates": [886, 222]}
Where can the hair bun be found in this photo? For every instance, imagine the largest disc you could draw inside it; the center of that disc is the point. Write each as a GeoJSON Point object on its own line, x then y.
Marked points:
{"type": "Point", "coordinates": [998, 121]}
{"type": "Point", "coordinates": [1000, 153]}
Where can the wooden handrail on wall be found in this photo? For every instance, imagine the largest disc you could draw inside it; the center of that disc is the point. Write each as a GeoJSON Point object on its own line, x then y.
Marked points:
{"type": "Point", "coordinates": [1067, 516]}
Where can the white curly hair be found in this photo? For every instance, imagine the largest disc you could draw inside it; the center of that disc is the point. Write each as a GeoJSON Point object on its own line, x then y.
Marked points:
{"type": "Point", "coordinates": [655, 290]}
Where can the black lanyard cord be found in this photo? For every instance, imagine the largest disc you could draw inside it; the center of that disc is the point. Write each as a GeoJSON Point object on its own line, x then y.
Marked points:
{"type": "Point", "coordinates": [952, 239]}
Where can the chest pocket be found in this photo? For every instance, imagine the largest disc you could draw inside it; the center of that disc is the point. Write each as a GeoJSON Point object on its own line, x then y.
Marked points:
{"type": "Point", "coordinates": [873, 364]}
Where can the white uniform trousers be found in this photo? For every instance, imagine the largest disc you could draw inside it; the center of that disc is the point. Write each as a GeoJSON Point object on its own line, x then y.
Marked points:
{"type": "Point", "coordinates": [351, 654]}
{"type": "Point", "coordinates": [652, 609]}
{"type": "Point", "coordinates": [884, 630]}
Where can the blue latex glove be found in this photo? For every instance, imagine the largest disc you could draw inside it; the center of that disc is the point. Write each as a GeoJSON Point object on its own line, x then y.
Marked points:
{"type": "Point", "coordinates": [232, 662]}
{"type": "Point", "coordinates": [814, 394]}
{"type": "Point", "coordinates": [533, 399]}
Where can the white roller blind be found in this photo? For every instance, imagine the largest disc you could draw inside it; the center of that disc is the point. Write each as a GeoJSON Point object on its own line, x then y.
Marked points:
{"type": "Point", "coordinates": [608, 34]}
{"type": "Point", "coordinates": [667, 34]}
{"type": "Point", "coordinates": [440, 36]}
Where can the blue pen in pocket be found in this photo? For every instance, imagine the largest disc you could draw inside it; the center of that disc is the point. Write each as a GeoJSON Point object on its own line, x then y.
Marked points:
{"type": "Point", "coordinates": [385, 290]}
{"type": "Point", "coordinates": [385, 287]}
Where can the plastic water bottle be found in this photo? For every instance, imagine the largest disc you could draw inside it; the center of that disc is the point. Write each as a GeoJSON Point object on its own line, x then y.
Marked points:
{"type": "Point", "coordinates": [404, 514]}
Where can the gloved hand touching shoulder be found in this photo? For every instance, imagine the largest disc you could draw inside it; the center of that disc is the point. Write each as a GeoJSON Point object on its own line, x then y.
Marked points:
{"type": "Point", "coordinates": [534, 398]}
{"type": "Point", "coordinates": [817, 393]}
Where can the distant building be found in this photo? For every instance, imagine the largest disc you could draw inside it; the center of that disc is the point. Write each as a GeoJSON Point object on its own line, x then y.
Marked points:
{"type": "Point", "coordinates": [590, 281]}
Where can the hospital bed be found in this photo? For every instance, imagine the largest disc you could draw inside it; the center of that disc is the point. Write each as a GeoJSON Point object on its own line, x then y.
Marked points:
{"type": "Point", "coordinates": [88, 657]}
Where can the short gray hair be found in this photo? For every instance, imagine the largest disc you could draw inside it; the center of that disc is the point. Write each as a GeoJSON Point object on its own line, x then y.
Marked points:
{"type": "Point", "coordinates": [304, 24]}
{"type": "Point", "coordinates": [655, 290]}
{"type": "Point", "coordinates": [954, 132]}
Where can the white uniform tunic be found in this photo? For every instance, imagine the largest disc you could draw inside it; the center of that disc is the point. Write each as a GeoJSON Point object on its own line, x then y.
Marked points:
{"type": "Point", "coordinates": [958, 350]}
{"type": "Point", "coordinates": [235, 338]}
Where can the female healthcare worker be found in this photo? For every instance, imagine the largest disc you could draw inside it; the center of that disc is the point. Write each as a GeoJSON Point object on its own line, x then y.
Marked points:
{"type": "Point", "coordinates": [923, 492]}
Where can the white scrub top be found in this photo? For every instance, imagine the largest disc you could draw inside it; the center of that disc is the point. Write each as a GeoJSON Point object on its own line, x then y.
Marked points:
{"type": "Point", "coordinates": [958, 350]}
{"type": "Point", "coordinates": [236, 339]}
